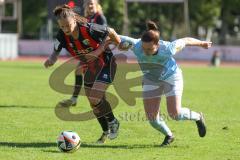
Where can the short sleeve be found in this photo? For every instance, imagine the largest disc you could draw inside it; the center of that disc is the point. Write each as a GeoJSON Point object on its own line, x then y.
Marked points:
{"type": "Point", "coordinates": [176, 46]}
{"type": "Point", "coordinates": [98, 32]}
{"type": "Point", "coordinates": [59, 42]}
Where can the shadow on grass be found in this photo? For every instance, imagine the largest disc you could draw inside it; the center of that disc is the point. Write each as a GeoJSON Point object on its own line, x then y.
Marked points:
{"type": "Point", "coordinates": [83, 145]}
{"type": "Point", "coordinates": [52, 151]}
{"type": "Point", "coordinates": [28, 145]}
{"type": "Point", "coordinates": [124, 146]}
{"type": "Point", "coordinates": [24, 106]}
{"type": "Point", "coordinates": [106, 146]}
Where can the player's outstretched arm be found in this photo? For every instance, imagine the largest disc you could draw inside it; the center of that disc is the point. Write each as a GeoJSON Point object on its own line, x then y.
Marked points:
{"type": "Point", "coordinates": [195, 42]}
{"type": "Point", "coordinates": [113, 37]}
{"type": "Point", "coordinates": [51, 59]}
{"type": "Point", "coordinates": [127, 43]}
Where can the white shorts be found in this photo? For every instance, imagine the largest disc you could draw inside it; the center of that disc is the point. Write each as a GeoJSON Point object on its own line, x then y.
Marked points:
{"type": "Point", "coordinates": [172, 86]}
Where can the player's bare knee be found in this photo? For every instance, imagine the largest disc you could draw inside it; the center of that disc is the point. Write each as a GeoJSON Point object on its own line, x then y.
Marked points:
{"type": "Point", "coordinates": [94, 100]}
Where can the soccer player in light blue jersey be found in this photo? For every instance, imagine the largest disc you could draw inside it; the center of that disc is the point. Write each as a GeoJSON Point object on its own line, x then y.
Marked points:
{"type": "Point", "coordinates": [161, 75]}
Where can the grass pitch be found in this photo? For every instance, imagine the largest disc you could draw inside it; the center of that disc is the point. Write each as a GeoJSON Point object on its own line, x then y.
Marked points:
{"type": "Point", "coordinates": [29, 126]}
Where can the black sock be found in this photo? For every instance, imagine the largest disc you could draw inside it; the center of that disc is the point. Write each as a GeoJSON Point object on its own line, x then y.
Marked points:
{"type": "Point", "coordinates": [103, 122]}
{"type": "Point", "coordinates": [109, 116]}
{"type": "Point", "coordinates": [103, 112]}
{"type": "Point", "coordinates": [78, 85]}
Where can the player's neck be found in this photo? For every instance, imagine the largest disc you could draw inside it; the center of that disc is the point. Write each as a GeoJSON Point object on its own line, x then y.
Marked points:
{"type": "Point", "coordinates": [75, 33]}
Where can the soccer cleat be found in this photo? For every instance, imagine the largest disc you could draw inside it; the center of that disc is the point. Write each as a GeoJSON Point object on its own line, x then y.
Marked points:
{"type": "Point", "coordinates": [67, 103]}
{"type": "Point", "coordinates": [113, 127]}
{"type": "Point", "coordinates": [201, 126]}
{"type": "Point", "coordinates": [103, 138]}
{"type": "Point", "coordinates": [167, 140]}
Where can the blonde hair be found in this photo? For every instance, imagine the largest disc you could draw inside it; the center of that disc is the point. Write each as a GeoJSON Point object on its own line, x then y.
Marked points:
{"type": "Point", "coordinates": [65, 11]}
{"type": "Point", "coordinates": [98, 6]}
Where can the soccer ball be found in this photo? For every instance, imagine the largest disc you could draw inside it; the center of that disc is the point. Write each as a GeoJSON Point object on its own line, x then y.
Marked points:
{"type": "Point", "coordinates": [68, 141]}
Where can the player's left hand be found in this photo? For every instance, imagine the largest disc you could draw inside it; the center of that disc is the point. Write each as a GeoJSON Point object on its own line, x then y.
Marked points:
{"type": "Point", "coordinates": [124, 46]}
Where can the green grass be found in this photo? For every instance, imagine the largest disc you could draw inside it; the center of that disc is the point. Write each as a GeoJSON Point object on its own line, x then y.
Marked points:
{"type": "Point", "coordinates": [29, 126]}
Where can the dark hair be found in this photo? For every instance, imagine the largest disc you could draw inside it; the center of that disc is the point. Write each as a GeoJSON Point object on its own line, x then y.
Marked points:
{"type": "Point", "coordinates": [152, 34]}
{"type": "Point", "coordinates": [65, 11]}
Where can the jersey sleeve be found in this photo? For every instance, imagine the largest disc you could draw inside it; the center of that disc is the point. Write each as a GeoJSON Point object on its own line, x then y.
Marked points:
{"type": "Point", "coordinates": [59, 42]}
{"type": "Point", "coordinates": [176, 46]}
{"type": "Point", "coordinates": [101, 19]}
{"type": "Point", "coordinates": [98, 32]}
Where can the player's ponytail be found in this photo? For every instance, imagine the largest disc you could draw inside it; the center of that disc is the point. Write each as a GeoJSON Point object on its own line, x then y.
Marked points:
{"type": "Point", "coordinates": [65, 11]}
{"type": "Point", "coordinates": [152, 34]}
{"type": "Point", "coordinates": [151, 26]}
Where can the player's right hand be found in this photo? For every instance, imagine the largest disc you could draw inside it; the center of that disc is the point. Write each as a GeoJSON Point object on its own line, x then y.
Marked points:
{"type": "Point", "coordinates": [206, 44]}
{"type": "Point", "coordinates": [48, 63]}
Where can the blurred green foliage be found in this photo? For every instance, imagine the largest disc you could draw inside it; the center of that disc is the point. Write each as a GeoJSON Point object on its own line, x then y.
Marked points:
{"type": "Point", "coordinates": [169, 17]}
{"type": "Point", "coordinates": [34, 17]}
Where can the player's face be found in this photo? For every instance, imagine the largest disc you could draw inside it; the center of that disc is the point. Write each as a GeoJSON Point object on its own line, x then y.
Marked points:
{"type": "Point", "coordinates": [67, 25]}
{"type": "Point", "coordinates": [92, 7]}
{"type": "Point", "coordinates": [149, 48]}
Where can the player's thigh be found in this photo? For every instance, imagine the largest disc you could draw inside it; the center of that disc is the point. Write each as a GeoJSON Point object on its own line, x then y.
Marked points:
{"type": "Point", "coordinates": [152, 93]}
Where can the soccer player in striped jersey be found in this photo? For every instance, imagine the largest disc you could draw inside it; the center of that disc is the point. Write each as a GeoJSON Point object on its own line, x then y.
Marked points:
{"type": "Point", "coordinates": [161, 75]}
{"type": "Point", "coordinates": [87, 42]}
{"type": "Point", "coordinates": [93, 12]}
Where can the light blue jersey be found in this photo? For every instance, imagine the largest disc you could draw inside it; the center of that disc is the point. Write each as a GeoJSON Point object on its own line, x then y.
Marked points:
{"type": "Point", "coordinates": [161, 65]}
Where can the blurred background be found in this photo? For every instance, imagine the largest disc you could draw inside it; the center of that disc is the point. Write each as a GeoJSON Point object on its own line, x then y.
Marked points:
{"type": "Point", "coordinates": [27, 27]}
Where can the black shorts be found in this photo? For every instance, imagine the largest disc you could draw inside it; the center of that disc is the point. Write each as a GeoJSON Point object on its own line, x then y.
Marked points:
{"type": "Point", "coordinates": [104, 74]}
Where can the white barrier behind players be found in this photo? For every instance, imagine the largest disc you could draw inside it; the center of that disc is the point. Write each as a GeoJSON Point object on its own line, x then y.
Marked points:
{"type": "Point", "coordinates": [8, 46]}
{"type": "Point", "coordinates": [45, 48]}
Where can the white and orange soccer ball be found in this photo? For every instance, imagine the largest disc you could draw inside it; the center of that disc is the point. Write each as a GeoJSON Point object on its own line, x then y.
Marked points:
{"type": "Point", "coordinates": [68, 141]}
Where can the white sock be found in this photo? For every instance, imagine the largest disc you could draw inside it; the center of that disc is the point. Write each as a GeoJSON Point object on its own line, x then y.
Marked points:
{"type": "Point", "coordinates": [160, 125]}
{"type": "Point", "coordinates": [187, 114]}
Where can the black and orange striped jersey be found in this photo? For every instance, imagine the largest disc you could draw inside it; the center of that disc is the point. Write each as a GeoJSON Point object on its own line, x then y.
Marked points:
{"type": "Point", "coordinates": [90, 37]}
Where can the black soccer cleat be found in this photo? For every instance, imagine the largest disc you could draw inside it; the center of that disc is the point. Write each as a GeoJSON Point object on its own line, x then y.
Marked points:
{"type": "Point", "coordinates": [67, 103]}
{"type": "Point", "coordinates": [103, 138]}
{"type": "Point", "coordinates": [202, 130]}
{"type": "Point", "coordinates": [167, 141]}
